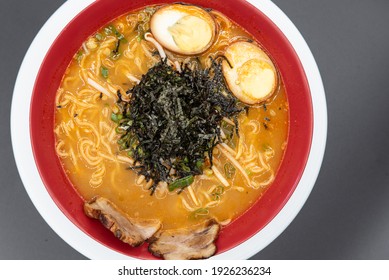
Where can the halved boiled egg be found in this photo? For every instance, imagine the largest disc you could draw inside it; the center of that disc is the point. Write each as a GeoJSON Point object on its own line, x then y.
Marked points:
{"type": "Point", "coordinates": [183, 29]}
{"type": "Point", "coordinates": [251, 77]}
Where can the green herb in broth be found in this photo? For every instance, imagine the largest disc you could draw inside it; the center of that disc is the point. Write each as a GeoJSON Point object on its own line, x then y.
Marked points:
{"type": "Point", "coordinates": [79, 56]}
{"type": "Point", "coordinates": [217, 193]}
{"type": "Point", "coordinates": [99, 37]}
{"type": "Point", "coordinates": [104, 72]}
{"type": "Point", "coordinates": [181, 183]}
{"type": "Point", "coordinates": [199, 213]}
{"type": "Point", "coordinates": [229, 170]}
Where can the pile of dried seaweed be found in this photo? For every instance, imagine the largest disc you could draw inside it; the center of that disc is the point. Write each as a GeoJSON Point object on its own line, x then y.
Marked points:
{"type": "Point", "coordinates": [172, 122]}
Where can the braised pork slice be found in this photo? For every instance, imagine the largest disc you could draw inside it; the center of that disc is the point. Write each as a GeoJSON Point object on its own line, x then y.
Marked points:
{"type": "Point", "coordinates": [190, 243]}
{"type": "Point", "coordinates": [129, 230]}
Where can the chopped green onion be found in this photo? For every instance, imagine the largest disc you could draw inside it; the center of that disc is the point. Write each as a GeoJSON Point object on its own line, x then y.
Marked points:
{"type": "Point", "coordinates": [217, 192]}
{"type": "Point", "coordinates": [116, 117]}
{"type": "Point", "coordinates": [99, 37]}
{"type": "Point", "coordinates": [199, 164]}
{"type": "Point", "coordinates": [119, 130]}
{"type": "Point", "coordinates": [121, 141]}
{"type": "Point", "coordinates": [185, 168]}
{"type": "Point", "coordinates": [123, 147]}
{"type": "Point", "coordinates": [108, 30]}
{"type": "Point", "coordinates": [181, 183]}
{"type": "Point", "coordinates": [104, 72]}
{"type": "Point", "coordinates": [199, 212]}
{"type": "Point", "coordinates": [229, 170]}
{"type": "Point", "coordinates": [79, 56]}
{"type": "Point", "coordinates": [140, 151]}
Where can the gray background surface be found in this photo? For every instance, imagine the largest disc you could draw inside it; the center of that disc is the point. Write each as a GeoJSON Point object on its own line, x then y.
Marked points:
{"type": "Point", "coordinates": [347, 214]}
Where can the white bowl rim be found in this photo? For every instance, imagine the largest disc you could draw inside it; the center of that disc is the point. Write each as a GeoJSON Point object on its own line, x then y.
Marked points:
{"type": "Point", "coordinates": [75, 237]}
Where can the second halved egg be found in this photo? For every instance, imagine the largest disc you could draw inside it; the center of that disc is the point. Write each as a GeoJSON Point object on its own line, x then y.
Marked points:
{"type": "Point", "coordinates": [249, 72]}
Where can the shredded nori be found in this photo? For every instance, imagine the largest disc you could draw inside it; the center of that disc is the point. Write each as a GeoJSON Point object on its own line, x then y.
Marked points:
{"type": "Point", "coordinates": [172, 120]}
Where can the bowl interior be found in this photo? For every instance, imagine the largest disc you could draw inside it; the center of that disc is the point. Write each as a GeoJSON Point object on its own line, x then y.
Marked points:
{"type": "Point", "coordinates": [102, 12]}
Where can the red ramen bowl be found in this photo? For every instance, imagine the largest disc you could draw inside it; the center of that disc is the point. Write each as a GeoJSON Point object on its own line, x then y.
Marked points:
{"type": "Point", "coordinates": [246, 235]}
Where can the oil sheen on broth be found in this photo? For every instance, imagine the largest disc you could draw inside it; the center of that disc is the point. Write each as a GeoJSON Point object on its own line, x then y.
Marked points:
{"type": "Point", "coordinates": [86, 140]}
